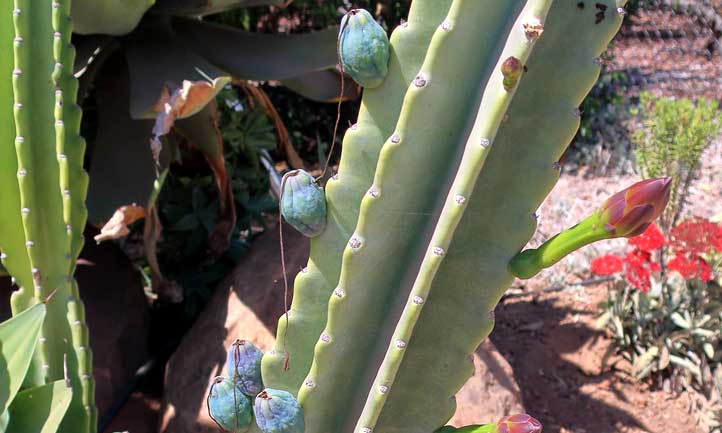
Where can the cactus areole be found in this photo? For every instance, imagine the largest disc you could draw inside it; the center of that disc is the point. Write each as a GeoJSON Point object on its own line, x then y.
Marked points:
{"type": "Point", "coordinates": [363, 48]}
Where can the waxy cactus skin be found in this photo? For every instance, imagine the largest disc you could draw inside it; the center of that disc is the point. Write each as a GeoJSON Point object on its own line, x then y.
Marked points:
{"type": "Point", "coordinates": [229, 406]}
{"type": "Point", "coordinates": [278, 412]}
{"type": "Point", "coordinates": [303, 203]}
{"type": "Point", "coordinates": [364, 48]}
{"type": "Point", "coordinates": [243, 366]}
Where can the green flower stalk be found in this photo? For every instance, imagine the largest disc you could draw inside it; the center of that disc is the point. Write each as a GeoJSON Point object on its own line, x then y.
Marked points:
{"type": "Point", "coordinates": [627, 213]}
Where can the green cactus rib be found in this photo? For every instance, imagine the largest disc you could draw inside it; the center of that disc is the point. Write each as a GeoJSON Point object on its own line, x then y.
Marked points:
{"type": "Point", "coordinates": [13, 255]}
{"type": "Point", "coordinates": [52, 188]}
{"type": "Point", "coordinates": [496, 98]}
{"type": "Point", "coordinates": [379, 110]}
{"type": "Point", "coordinates": [73, 189]}
{"type": "Point", "coordinates": [518, 174]}
{"type": "Point", "coordinates": [398, 214]}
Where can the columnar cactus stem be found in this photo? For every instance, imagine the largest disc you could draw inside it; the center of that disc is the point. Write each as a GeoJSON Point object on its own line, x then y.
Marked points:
{"type": "Point", "coordinates": [379, 111]}
{"type": "Point", "coordinates": [497, 96]}
{"type": "Point", "coordinates": [399, 210]}
{"type": "Point", "coordinates": [50, 187]}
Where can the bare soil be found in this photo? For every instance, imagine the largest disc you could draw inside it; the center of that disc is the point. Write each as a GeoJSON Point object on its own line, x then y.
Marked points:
{"type": "Point", "coordinates": [556, 352]}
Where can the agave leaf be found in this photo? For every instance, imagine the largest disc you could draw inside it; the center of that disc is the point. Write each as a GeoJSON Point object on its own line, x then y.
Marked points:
{"type": "Point", "coordinates": [201, 7]}
{"type": "Point", "coordinates": [323, 86]}
{"type": "Point", "coordinates": [40, 409]}
{"type": "Point", "coordinates": [18, 337]}
{"type": "Point", "coordinates": [111, 17]}
{"type": "Point", "coordinates": [157, 60]}
{"type": "Point", "coordinates": [256, 56]}
{"type": "Point", "coordinates": [122, 168]}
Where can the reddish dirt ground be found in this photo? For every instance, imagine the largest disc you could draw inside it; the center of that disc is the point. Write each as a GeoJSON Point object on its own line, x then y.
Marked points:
{"type": "Point", "coordinates": [556, 352]}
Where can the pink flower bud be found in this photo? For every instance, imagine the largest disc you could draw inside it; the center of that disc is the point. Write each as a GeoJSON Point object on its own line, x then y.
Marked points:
{"type": "Point", "coordinates": [519, 423]}
{"type": "Point", "coordinates": [629, 212]}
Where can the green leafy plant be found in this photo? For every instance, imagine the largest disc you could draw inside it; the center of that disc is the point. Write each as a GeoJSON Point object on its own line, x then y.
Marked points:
{"type": "Point", "coordinates": [673, 135]}
{"type": "Point", "coordinates": [22, 406]}
{"type": "Point", "coordinates": [665, 315]}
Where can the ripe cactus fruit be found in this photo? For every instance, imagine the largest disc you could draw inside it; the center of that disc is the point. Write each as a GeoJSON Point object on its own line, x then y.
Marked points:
{"type": "Point", "coordinates": [625, 214]}
{"type": "Point", "coordinates": [278, 412]}
{"type": "Point", "coordinates": [243, 366]}
{"type": "Point", "coordinates": [228, 406]}
{"type": "Point", "coordinates": [363, 47]}
{"type": "Point", "coordinates": [303, 203]}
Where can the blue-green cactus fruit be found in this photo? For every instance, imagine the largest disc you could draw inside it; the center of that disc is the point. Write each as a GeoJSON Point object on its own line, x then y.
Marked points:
{"type": "Point", "coordinates": [243, 366]}
{"type": "Point", "coordinates": [303, 203]}
{"type": "Point", "coordinates": [229, 407]}
{"type": "Point", "coordinates": [278, 412]}
{"type": "Point", "coordinates": [363, 47]}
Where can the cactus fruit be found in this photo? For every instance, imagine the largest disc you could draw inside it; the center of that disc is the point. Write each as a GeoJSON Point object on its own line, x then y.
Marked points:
{"type": "Point", "coordinates": [243, 366]}
{"type": "Point", "coordinates": [229, 407]}
{"type": "Point", "coordinates": [303, 203]}
{"type": "Point", "coordinates": [363, 47]}
{"type": "Point", "coordinates": [625, 214]}
{"type": "Point", "coordinates": [278, 412]}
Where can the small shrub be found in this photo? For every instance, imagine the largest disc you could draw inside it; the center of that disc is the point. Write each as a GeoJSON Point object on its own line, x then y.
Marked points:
{"type": "Point", "coordinates": [674, 133]}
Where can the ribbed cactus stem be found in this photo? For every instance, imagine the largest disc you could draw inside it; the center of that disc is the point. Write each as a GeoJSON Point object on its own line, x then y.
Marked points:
{"type": "Point", "coordinates": [41, 207]}
{"type": "Point", "coordinates": [376, 121]}
{"type": "Point", "coordinates": [497, 96]}
{"type": "Point", "coordinates": [73, 190]}
{"type": "Point", "coordinates": [52, 188]}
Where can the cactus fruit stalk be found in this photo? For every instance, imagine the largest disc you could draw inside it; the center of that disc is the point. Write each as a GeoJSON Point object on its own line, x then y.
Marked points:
{"type": "Point", "coordinates": [626, 214]}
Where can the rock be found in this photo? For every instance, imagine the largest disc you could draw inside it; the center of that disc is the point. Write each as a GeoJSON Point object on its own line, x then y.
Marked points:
{"type": "Point", "coordinates": [116, 314]}
{"type": "Point", "coordinates": [247, 305]}
{"type": "Point", "coordinates": [491, 393]}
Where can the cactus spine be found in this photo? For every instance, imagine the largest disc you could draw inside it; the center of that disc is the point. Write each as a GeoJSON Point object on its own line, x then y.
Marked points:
{"type": "Point", "coordinates": [47, 189]}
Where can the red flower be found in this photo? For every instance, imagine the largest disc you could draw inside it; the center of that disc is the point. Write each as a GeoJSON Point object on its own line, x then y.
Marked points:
{"type": "Point", "coordinates": [607, 265]}
{"type": "Point", "coordinates": [690, 268]}
{"type": "Point", "coordinates": [639, 267]}
{"type": "Point", "coordinates": [697, 236]}
{"type": "Point", "coordinates": [651, 240]}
